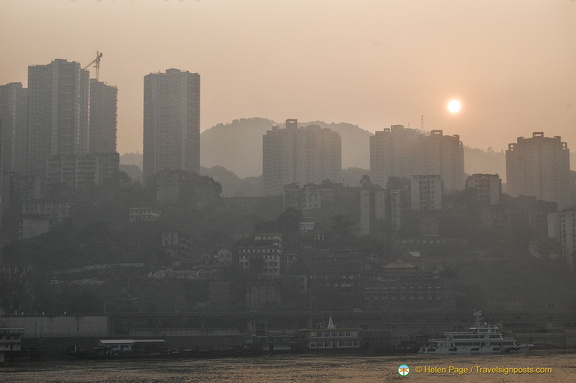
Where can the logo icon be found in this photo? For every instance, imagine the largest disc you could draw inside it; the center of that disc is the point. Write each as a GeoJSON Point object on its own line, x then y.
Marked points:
{"type": "Point", "coordinates": [403, 369]}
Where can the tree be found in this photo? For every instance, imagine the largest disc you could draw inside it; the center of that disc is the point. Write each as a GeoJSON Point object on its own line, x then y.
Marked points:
{"type": "Point", "coordinates": [289, 224]}
{"type": "Point", "coordinates": [341, 225]}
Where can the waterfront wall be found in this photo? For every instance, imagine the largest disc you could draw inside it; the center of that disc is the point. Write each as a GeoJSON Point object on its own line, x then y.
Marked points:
{"type": "Point", "coordinates": [207, 332]}
{"type": "Point", "coordinates": [543, 326]}
{"type": "Point", "coordinates": [58, 326]}
{"type": "Point", "coordinates": [215, 329]}
{"type": "Point", "coordinates": [53, 346]}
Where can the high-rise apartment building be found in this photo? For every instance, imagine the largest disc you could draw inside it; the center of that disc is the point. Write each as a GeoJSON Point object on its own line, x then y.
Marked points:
{"type": "Point", "coordinates": [487, 188]}
{"type": "Point", "coordinates": [81, 171]}
{"type": "Point", "coordinates": [395, 208]}
{"type": "Point", "coordinates": [1, 178]}
{"type": "Point", "coordinates": [426, 193]}
{"type": "Point", "coordinates": [402, 152]}
{"type": "Point", "coordinates": [13, 113]}
{"type": "Point", "coordinates": [372, 206]}
{"type": "Point", "coordinates": [171, 122]}
{"type": "Point", "coordinates": [562, 228]}
{"type": "Point", "coordinates": [540, 167]}
{"type": "Point", "coordinates": [103, 107]}
{"type": "Point", "coordinates": [300, 155]}
{"type": "Point", "coordinates": [58, 96]}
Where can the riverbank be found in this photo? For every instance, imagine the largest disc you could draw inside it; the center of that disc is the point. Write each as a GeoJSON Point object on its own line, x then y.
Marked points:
{"type": "Point", "coordinates": [304, 368]}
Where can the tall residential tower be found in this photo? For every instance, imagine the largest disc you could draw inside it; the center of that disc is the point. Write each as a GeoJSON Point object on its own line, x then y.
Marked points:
{"type": "Point", "coordinates": [13, 112]}
{"type": "Point", "coordinates": [300, 155]}
{"type": "Point", "coordinates": [402, 152]}
{"type": "Point", "coordinates": [57, 112]}
{"type": "Point", "coordinates": [540, 167]}
{"type": "Point", "coordinates": [103, 107]}
{"type": "Point", "coordinates": [171, 122]}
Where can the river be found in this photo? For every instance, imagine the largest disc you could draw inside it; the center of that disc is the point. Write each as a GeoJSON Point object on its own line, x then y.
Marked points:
{"type": "Point", "coordinates": [533, 367]}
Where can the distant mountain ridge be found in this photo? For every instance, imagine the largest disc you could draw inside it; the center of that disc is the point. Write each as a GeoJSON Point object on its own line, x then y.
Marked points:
{"type": "Point", "coordinates": [237, 146]}
{"type": "Point", "coordinates": [487, 162]}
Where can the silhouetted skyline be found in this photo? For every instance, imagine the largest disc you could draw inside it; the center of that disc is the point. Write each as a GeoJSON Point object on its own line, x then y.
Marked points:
{"type": "Point", "coordinates": [371, 63]}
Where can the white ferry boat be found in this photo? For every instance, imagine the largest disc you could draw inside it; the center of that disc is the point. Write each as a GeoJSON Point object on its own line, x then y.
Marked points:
{"type": "Point", "coordinates": [480, 339]}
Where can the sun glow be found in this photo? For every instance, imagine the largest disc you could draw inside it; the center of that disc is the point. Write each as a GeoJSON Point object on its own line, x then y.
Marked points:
{"type": "Point", "coordinates": [454, 106]}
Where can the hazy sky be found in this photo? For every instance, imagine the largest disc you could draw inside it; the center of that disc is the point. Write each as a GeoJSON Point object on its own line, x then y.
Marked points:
{"type": "Point", "coordinates": [373, 63]}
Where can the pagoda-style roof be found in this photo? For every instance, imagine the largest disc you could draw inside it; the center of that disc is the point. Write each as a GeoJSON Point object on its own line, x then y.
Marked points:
{"type": "Point", "coordinates": [400, 264]}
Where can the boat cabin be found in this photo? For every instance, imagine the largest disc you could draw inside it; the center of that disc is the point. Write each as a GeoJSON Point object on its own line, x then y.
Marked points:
{"type": "Point", "coordinates": [330, 338]}
{"type": "Point", "coordinates": [10, 341]}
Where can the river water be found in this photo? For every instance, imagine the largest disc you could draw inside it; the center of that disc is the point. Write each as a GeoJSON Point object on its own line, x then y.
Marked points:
{"type": "Point", "coordinates": [533, 367]}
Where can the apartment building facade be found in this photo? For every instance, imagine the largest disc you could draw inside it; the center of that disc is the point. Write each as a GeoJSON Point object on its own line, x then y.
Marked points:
{"type": "Point", "coordinates": [540, 167]}
{"type": "Point", "coordinates": [300, 155]}
{"type": "Point", "coordinates": [171, 122]}
{"type": "Point", "coordinates": [404, 152]}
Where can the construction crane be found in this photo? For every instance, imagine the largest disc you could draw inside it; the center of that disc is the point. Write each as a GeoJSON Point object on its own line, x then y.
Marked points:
{"type": "Point", "coordinates": [96, 63]}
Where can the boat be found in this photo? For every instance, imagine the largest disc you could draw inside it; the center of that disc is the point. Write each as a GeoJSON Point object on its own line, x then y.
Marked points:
{"type": "Point", "coordinates": [118, 349]}
{"type": "Point", "coordinates": [330, 339]}
{"type": "Point", "coordinates": [153, 349]}
{"type": "Point", "coordinates": [480, 339]}
{"type": "Point", "coordinates": [11, 349]}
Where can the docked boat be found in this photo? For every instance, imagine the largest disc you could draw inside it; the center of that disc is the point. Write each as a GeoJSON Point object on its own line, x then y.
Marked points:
{"type": "Point", "coordinates": [330, 339]}
{"type": "Point", "coordinates": [154, 349]}
{"type": "Point", "coordinates": [11, 349]}
{"type": "Point", "coordinates": [10, 342]}
{"type": "Point", "coordinates": [480, 339]}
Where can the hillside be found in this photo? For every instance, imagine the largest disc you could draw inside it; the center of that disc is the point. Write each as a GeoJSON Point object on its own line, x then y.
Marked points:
{"type": "Point", "coordinates": [237, 146]}
{"type": "Point", "coordinates": [490, 162]}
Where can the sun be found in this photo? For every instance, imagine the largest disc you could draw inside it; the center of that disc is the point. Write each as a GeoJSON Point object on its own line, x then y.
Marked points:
{"type": "Point", "coordinates": [454, 106]}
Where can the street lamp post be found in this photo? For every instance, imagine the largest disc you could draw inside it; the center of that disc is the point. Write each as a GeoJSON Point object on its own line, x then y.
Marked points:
{"type": "Point", "coordinates": [54, 282]}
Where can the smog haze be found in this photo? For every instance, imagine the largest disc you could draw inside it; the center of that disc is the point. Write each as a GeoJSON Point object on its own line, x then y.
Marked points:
{"type": "Point", "coordinates": [370, 63]}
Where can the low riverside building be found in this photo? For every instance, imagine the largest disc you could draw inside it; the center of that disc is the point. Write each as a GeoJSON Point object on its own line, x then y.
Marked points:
{"type": "Point", "coordinates": [10, 342]}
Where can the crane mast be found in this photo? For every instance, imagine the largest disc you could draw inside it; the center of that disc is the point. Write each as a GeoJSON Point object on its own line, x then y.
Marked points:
{"type": "Point", "coordinates": [96, 63]}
